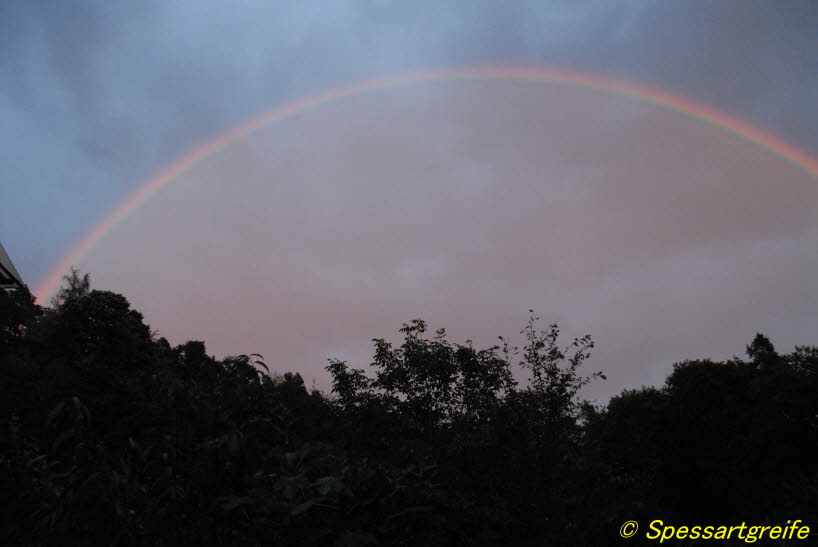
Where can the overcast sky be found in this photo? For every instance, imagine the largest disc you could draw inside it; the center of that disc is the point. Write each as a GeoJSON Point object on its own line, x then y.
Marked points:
{"type": "Point", "coordinates": [465, 203]}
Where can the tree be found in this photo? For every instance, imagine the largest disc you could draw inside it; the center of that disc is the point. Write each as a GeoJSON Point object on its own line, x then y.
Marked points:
{"type": "Point", "coordinates": [18, 313]}
{"type": "Point", "coordinates": [556, 387]}
{"type": "Point", "coordinates": [99, 327]}
{"type": "Point", "coordinates": [762, 352]}
{"type": "Point", "coordinates": [74, 286]}
{"type": "Point", "coordinates": [430, 382]}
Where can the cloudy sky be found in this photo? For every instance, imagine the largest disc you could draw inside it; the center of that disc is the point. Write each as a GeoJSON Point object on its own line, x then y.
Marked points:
{"type": "Point", "coordinates": [465, 202]}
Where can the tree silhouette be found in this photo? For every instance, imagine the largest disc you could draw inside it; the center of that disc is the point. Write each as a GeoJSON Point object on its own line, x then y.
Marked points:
{"type": "Point", "coordinates": [75, 285]}
{"type": "Point", "coordinates": [113, 436]}
{"type": "Point", "coordinates": [761, 352]}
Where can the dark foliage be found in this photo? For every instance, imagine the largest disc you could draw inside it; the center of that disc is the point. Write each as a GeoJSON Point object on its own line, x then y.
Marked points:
{"type": "Point", "coordinates": [111, 436]}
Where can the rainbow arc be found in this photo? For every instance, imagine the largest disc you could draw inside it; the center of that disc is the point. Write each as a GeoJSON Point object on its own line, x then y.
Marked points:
{"type": "Point", "coordinates": [770, 143]}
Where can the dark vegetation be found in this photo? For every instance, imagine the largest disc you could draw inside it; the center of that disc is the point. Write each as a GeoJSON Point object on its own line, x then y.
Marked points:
{"type": "Point", "coordinates": [111, 436]}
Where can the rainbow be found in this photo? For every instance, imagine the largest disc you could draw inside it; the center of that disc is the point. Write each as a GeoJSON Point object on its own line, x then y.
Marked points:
{"type": "Point", "coordinates": [742, 130]}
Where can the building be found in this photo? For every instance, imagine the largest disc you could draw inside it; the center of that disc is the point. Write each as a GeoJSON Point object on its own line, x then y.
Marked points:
{"type": "Point", "coordinates": [9, 277]}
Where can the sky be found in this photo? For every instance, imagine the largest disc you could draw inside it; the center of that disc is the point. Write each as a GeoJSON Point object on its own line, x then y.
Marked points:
{"type": "Point", "coordinates": [463, 202]}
